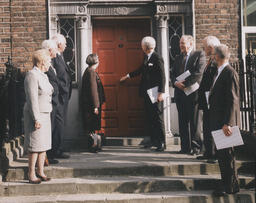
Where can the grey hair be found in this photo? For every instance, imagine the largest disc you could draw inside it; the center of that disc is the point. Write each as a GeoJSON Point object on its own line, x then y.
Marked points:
{"type": "Point", "coordinates": [188, 38]}
{"type": "Point", "coordinates": [222, 51]}
{"type": "Point", "coordinates": [59, 39]}
{"type": "Point", "coordinates": [148, 42]}
{"type": "Point", "coordinates": [49, 44]}
{"type": "Point", "coordinates": [211, 41]}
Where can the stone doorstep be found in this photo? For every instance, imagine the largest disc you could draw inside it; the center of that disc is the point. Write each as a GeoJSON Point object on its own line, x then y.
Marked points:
{"type": "Point", "coordinates": [89, 185]}
{"type": "Point", "coordinates": [169, 169]}
{"type": "Point", "coordinates": [163, 197]}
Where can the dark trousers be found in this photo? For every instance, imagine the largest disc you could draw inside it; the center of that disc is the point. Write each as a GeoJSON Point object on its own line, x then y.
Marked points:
{"type": "Point", "coordinates": [57, 122]}
{"type": "Point", "coordinates": [208, 139]}
{"type": "Point", "coordinates": [189, 123]}
{"type": "Point", "coordinates": [226, 159]}
{"type": "Point", "coordinates": [154, 122]}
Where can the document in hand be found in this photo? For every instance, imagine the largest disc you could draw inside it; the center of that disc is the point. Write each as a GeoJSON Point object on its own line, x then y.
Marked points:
{"type": "Point", "coordinates": [189, 90]}
{"type": "Point", "coordinates": [183, 76]}
{"type": "Point", "coordinates": [153, 94]}
{"type": "Point", "coordinates": [222, 141]}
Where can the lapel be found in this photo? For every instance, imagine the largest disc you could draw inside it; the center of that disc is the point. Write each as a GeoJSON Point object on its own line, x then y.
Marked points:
{"type": "Point", "coordinates": [61, 60]}
{"type": "Point", "coordinates": [189, 61]}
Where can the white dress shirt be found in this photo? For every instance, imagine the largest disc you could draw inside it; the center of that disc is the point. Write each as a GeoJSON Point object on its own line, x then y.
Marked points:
{"type": "Point", "coordinates": [220, 69]}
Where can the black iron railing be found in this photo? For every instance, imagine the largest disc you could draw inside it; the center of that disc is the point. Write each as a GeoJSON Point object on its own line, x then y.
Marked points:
{"type": "Point", "coordinates": [247, 79]}
{"type": "Point", "coordinates": [12, 99]}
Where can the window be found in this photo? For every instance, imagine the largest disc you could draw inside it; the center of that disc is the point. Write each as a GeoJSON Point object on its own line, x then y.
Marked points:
{"type": "Point", "coordinates": [249, 10]}
{"type": "Point", "coordinates": [68, 29]}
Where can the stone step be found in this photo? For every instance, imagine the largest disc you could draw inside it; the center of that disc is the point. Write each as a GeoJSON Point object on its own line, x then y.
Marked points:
{"type": "Point", "coordinates": [93, 185]}
{"type": "Point", "coordinates": [125, 161]}
{"type": "Point", "coordinates": [163, 197]}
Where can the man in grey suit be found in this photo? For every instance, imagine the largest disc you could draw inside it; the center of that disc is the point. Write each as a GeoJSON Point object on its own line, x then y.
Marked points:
{"type": "Point", "coordinates": [187, 106]}
{"type": "Point", "coordinates": [225, 113]}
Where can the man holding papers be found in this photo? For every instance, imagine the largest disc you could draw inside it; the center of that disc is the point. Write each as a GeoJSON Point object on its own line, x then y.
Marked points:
{"type": "Point", "coordinates": [224, 113]}
{"type": "Point", "coordinates": [186, 76]}
{"type": "Point", "coordinates": [210, 70]}
{"type": "Point", "coordinates": [152, 83]}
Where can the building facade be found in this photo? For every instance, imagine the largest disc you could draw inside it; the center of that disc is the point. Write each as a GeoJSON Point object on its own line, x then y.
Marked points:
{"type": "Point", "coordinates": [113, 29]}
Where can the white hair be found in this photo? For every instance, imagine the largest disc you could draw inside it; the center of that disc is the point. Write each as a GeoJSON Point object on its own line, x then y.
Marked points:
{"type": "Point", "coordinates": [49, 44]}
{"type": "Point", "coordinates": [188, 40]}
{"type": "Point", "coordinates": [148, 42]}
{"type": "Point", "coordinates": [59, 39]}
{"type": "Point", "coordinates": [222, 51]}
{"type": "Point", "coordinates": [211, 41]}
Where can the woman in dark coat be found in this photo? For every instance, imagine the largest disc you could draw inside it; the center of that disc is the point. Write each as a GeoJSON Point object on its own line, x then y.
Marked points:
{"type": "Point", "coordinates": [92, 96]}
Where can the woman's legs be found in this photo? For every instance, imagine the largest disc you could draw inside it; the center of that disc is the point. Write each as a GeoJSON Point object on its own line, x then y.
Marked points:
{"type": "Point", "coordinates": [32, 159]}
{"type": "Point", "coordinates": [41, 160]}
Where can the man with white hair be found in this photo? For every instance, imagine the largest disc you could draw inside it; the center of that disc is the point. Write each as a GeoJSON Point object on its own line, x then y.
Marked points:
{"type": "Point", "coordinates": [188, 113]}
{"type": "Point", "coordinates": [64, 80]}
{"type": "Point", "coordinates": [209, 43]}
{"type": "Point", "coordinates": [225, 113]}
{"type": "Point", "coordinates": [56, 121]}
{"type": "Point", "coordinates": [152, 75]}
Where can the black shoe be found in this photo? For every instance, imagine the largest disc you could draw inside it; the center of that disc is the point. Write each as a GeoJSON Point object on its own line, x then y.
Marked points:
{"type": "Point", "coordinates": [147, 146]}
{"type": "Point", "coordinates": [53, 161]}
{"type": "Point", "coordinates": [183, 152]}
{"type": "Point", "coordinates": [160, 148]}
{"type": "Point", "coordinates": [202, 157]}
{"type": "Point", "coordinates": [211, 161]}
{"type": "Point", "coordinates": [218, 193]}
{"type": "Point", "coordinates": [62, 156]}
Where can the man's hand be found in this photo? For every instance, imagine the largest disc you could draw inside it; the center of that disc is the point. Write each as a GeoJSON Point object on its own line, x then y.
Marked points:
{"type": "Point", "coordinates": [96, 111]}
{"type": "Point", "coordinates": [180, 85]}
{"type": "Point", "coordinates": [37, 125]}
{"type": "Point", "coordinates": [160, 97]}
{"type": "Point", "coordinates": [124, 78]}
{"type": "Point", "coordinates": [227, 130]}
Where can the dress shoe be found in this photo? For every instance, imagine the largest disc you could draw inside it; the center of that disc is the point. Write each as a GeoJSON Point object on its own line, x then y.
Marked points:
{"type": "Point", "coordinates": [38, 181]}
{"type": "Point", "coordinates": [211, 160]}
{"type": "Point", "coordinates": [203, 157]}
{"type": "Point", "coordinates": [182, 152]}
{"type": "Point", "coordinates": [147, 146]}
{"type": "Point", "coordinates": [43, 178]}
{"type": "Point", "coordinates": [62, 155]}
{"type": "Point", "coordinates": [218, 193]}
{"type": "Point", "coordinates": [195, 151]}
{"type": "Point", "coordinates": [53, 161]}
{"type": "Point", "coordinates": [160, 148]}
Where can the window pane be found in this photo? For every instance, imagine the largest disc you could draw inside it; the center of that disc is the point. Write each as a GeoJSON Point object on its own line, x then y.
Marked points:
{"type": "Point", "coordinates": [250, 43]}
{"type": "Point", "coordinates": [67, 28]}
{"type": "Point", "coordinates": [249, 12]}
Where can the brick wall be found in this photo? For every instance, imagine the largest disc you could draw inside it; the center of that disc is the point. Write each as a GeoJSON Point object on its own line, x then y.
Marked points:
{"type": "Point", "coordinates": [221, 19]}
{"type": "Point", "coordinates": [25, 26]}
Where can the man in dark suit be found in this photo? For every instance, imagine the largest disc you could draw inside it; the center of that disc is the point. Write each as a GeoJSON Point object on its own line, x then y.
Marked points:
{"type": "Point", "coordinates": [152, 75]}
{"type": "Point", "coordinates": [225, 113]}
{"type": "Point", "coordinates": [187, 106]}
{"type": "Point", "coordinates": [209, 43]}
{"type": "Point", "coordinates": [53, 79]}
{"type": "Point", "coordinates": [64, 85]}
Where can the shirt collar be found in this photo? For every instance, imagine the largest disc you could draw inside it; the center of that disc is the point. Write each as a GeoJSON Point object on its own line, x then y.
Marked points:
{"type": "Point", "coordinates": [38, 70]}
{"type": "Point", "coordinates": [220, 69]}
{"type": "Point", "coordinates": [150, 54]}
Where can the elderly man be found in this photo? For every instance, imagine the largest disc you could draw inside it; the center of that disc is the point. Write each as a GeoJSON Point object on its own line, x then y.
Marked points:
{"type": "Point", "coordinates": [209, 43]}
{"type": "Point", "coordinates": [64, 81]}
{"type": "Point", "coordinates": [187, 106]}
{"type": "Point", "coordinates": [224, 113]}
{"type": "Point", "coordinates": [152, 71]}
{"type": "Point", "coordinates": [56, 122]}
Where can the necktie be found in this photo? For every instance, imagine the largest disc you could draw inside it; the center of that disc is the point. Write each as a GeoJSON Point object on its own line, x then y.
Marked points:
{"type": "Point", "coordinates": [183, 63]}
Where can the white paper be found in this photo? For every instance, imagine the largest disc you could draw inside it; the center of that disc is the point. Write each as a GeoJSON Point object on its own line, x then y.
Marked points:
{"type": "Point", "coordinates": [207, 98]}
{"type": "Point", "coordinates": [183, 76]}
{"type": "Point", "coordinates": [153, 94]}
{"type": "Point", "coordinates": [222, 141]}
{"type": "Point", "coordinates": [189, 90]}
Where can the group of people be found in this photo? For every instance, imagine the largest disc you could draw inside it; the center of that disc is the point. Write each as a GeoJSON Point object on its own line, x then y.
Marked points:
{"type": "Point", "coordinates": [214, 105]}
{"type": "Point", "coordinates": [48, 90]}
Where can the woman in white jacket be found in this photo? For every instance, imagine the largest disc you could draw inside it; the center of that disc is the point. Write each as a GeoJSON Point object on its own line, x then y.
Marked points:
{"type": "Point", "coordinates": [37, 109]}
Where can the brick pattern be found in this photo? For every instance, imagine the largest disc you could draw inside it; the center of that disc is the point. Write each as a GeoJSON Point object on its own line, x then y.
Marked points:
{"type": "Point", "coordinates": [26, 28]}
{"type": "Point", "coordinates": [221, 19]}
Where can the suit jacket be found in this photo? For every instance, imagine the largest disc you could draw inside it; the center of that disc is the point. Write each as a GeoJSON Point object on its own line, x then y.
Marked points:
{"type": "Point", "coordinates": [53, 79]}
{"type": "Point", "coordinates": [92, 93]}
{"type": "Point", "coordinates": [206, 84]}
{"type": "Point", "coordinates": [38, 93]}
{"type": "Point", "coordinates": [64, 77]}
{"type": "Point", "coordinates": [224, 100]}
{"type": "Point", "coordinates": [196, 65]}
{"type": "Point", "coordinates": [152, 74]}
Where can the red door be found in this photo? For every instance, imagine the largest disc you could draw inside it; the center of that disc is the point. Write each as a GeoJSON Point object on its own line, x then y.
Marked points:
{"type": "Point", "coordinates": [118, 44]}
